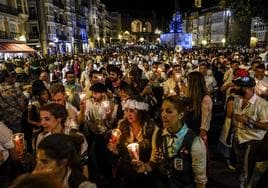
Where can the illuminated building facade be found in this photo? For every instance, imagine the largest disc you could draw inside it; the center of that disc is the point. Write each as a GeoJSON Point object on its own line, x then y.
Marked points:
{"type": "Point", "coordinates": [66, 26]}
{"type": "Point", "coordinates": [13, 15]}
{"type": "Point", "coordinates": [214, 27]}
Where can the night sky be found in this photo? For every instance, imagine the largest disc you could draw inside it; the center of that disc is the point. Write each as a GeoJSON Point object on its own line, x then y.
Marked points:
{"type": "Point", "coordinates": [163, 8]}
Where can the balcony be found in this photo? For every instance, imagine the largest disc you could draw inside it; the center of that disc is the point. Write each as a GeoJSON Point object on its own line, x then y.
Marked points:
{"type": "Point", "coordinates": [9, 10]}
{"type": "Point", "coordinates": [81, 25]}
{"type": "Point", "coordinates": [32, 16]}
{"type": "Point", "coordinates": [78, 37]}
{"type": "Point", "coordinates": [60, 20]}
{"type": "Point", "coordinates": [11, 35]}
{"type": "Point", "coordinates": [33, 36]}
{"type": "Point", "coordinates": [84, 3]}
{"type": "Point", "coordinates": [62, 37]}
{"type": "Point", "coordinates": [80, 11]}
{"type": "Point", "coordinates": [58, 3]}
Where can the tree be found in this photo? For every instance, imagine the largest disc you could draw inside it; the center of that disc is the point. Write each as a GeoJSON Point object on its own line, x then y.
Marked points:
{"type": "Point", "coordinates": [242, 13]}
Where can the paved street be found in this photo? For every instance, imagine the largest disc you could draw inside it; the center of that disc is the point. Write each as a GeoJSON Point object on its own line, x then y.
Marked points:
{"type": "Point", "coordinates": [219, 175]}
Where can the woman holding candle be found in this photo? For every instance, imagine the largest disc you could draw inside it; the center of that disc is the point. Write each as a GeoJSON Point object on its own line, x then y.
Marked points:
{"type": "Point", "coordinates": [181, 155]}
{"type": "Point", "coordinates": [53, 117]}
{"type": "Point", "coordinates": [138, 128]}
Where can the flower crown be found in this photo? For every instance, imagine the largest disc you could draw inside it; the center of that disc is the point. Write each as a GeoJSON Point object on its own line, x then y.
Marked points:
{"type": "Point", "coordinates": [133, 104]}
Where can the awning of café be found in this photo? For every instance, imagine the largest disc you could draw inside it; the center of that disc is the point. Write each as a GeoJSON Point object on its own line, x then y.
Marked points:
{"type": "Point", "coordinates": [15, 48]}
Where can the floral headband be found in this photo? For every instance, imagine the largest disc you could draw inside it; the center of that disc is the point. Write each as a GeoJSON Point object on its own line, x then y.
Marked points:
{"type": "Point", "coordinates": [133, 104]}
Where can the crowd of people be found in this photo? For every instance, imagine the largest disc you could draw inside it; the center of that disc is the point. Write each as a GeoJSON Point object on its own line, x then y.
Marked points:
{"type": "Point", "coordinates": [133, 116]}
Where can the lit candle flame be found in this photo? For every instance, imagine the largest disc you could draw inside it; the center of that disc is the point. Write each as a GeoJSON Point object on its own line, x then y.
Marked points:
{"type": "Point", "coordinates": [82, 96]}
{"type": "Point", "coordinates": [133, 151]}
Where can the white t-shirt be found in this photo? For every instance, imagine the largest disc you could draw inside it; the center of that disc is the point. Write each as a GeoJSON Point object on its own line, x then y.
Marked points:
{"type": "Point", "coordinates": [5, 141]}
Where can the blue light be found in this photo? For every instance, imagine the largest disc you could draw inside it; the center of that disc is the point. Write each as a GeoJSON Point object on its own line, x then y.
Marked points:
{"type": "Point", "coordinates": [172, 39]}
{"type": "Point", "coordinates": [176, 36]}
{"type": "Point", "coordinates": [175, 25]}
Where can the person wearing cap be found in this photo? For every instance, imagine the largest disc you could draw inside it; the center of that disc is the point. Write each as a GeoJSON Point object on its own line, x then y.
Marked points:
{"type": "Point", "coordinates": [92, 113]}
{"type": "Point", "coordinates": [98, 114]}
{"type": "Point", "coordinates": [249, 114]}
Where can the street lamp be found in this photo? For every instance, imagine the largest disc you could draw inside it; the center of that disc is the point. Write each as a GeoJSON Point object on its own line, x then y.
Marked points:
{"type": "Point", "coordinates": [223, 42]}
{"type": "Point", "coordinates": [120, 37]}
{"type": "Point", "coordinates": [98, 39]}
{"type": "Point", "coordinates": [204, 42]}
{"type": "Point", "coordinates": [157, 31]}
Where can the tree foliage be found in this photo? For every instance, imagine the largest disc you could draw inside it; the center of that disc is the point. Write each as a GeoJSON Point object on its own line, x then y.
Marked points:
{"type": "Point", "coordinates": [246, 8]}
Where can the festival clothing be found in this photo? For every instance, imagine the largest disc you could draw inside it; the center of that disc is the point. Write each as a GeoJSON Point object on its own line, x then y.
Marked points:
{"type": "Point", "coordinates": [185, 158]}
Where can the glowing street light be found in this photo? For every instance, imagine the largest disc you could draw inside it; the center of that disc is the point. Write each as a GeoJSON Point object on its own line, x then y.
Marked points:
{"type": "Point", "coordinates": [204, 42]}
{"type": "Point", "coordinates": [98, 39]}
{"type": "Point", "coordinates": [120, 37]}
{"type": "Point", "coordinates": [157, 31]}
{"type": "Point", "coordinates": [223, 41]}
{"type": "Point", "coordinates": [141, 39]}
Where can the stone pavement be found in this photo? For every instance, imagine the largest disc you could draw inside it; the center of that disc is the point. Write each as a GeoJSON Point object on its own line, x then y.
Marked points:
{"type": "Point", "coordinates": [219, 175]}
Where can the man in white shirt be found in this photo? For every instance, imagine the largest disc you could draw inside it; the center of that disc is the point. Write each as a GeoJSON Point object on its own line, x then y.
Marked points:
{"type": "Point", "coordinates": [250, 118]}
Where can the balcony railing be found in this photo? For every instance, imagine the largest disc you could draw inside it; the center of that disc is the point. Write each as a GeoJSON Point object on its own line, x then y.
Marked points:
{"type": "Point", "coordinates": [9, 10]}
{"type": "Point", "coordinates": [78, 37]}
{"type": "Point", "coordinates": [60, 20]}
{"type": "Point", "coordinates": [81, 25]}
{"type": "Point", "coordinates": [80, 11]}
{"type": "Point", "coordinates": [33, 36]}
{"type": "Point", "coordinates": [58, 3]}
{"type": "Point", "coordinates": [62, 37]}
{"type": "Point", "coordinates": [32, 17]}
{"type": "Point", "coordinates": [11, 35]}
{"type": "Point", "coordinates": [84, 3]}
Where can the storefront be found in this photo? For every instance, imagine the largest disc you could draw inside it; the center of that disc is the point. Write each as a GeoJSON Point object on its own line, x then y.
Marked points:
{"type": "Point", "coordinates": [14, 49]}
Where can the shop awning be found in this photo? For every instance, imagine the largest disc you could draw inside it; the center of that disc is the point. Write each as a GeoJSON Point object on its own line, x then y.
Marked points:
{"type": "Point", "coordinates": [6, 47]}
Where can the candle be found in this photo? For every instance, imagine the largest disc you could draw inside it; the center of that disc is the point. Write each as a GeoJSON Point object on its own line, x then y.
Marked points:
{"type": "Point", "coordinates": [133, 150]}
{"type": "Point", "coordinates": [105, 105]}
{"type": "Point", "coordinates": [68, 93]}
{"type": "Point", "coordinates": [178, 76]}
{"type": "Point", "coordinates": [18, 140]}
{"type": "Point", "coordinates": [172, 92]}
{"type": "Point", "coordinates": [82, 96]}
{"type": "Point", "coordinates": [116, 133]}
{"type": "Point", "coordinates": [159, 70]}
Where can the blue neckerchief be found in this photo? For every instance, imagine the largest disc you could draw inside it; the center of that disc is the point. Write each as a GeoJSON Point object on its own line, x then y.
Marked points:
{"type": "Point", "coordinates": [175, 141]}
